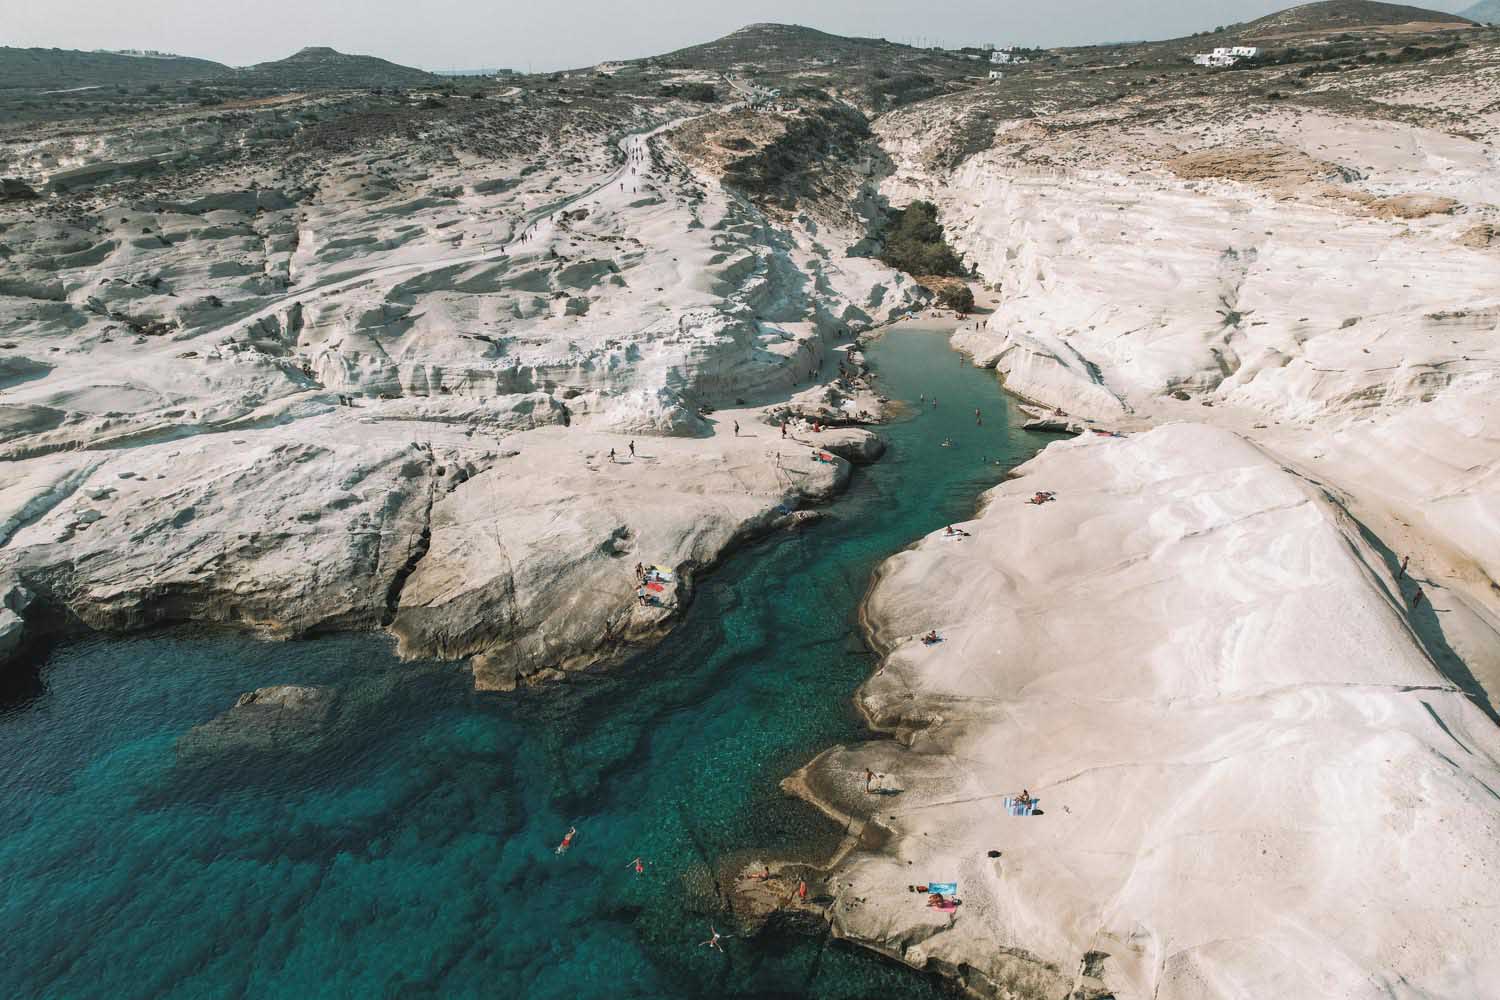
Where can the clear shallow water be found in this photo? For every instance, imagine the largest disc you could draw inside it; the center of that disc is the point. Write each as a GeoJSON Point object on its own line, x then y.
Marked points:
{"type": "Point", "coordinates": [408, 850]}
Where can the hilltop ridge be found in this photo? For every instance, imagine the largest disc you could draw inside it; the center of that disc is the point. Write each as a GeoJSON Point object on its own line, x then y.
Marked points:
{"type": "Point", "coordinates": [314, 66]}
{"type": "Point", "coordinates": [323, 66]}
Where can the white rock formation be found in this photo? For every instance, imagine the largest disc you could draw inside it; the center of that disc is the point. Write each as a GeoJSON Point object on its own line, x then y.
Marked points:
{"type": "Point", "coordinates": [1254, 778]}
{"type": "Point", "coordinates": [328, 390]}
{"type": "Point", "coordinates": [1268, 758]}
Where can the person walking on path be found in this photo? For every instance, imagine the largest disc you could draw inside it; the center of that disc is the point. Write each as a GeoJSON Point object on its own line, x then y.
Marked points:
{"type": "Point", "coordinates": [632, 449]}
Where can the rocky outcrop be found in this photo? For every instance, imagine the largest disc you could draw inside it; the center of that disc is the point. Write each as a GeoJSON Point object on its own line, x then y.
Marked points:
{"type": "Point", "coordinates": [375, 390]}
{"type": "Point", "coordinates": [526, 586]}
{"type": "Point", "coordinates": [1201, 666]}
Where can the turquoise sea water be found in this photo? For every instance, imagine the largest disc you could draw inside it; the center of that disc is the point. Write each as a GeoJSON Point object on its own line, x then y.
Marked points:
{"type": "Point", "coordinates": [406, 849]}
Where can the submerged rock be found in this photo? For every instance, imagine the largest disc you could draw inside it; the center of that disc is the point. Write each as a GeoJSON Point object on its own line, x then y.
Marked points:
{"type": "Point", "coordinates": [282, 719]}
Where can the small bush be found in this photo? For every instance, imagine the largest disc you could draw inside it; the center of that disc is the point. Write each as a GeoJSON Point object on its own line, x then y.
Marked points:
{"type": "Point", "coordinates": [702, 92]}
{"type": "Point", "coordinates": [914, 243]}
{"type": "Point", "coordinates": [959, 298]}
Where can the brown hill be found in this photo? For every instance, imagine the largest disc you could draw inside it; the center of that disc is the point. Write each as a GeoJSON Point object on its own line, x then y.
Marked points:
{"type": "Point", "coordinates": [1347, 16]}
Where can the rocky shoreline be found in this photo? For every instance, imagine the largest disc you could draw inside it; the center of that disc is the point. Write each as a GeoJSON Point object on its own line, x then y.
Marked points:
{"type": "Point", "coordinates": [346, 450]}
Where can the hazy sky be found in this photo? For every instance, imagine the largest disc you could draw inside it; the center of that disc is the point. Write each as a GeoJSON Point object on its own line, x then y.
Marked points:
{"type": "Point", "coordinates": [553, 34]}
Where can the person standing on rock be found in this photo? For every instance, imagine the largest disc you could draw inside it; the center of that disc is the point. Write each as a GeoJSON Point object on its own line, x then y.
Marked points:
{"type": "Point", "coordinates": [632, 449]}
{"type": "Point", "coordinates": [736, 428]}
{"type": "Point", "coordinates": [869, 777]}
{"type": "Point", "coordinates": [640, 595]}
{"type": "Point", "coordinates": [1404, 563]}
{"type": "Point", "coordinates": [802, 889]}
{"type": "Point", "coordinates": [611, 456]}
{"type": "Point", "coordinates": [783, 428]}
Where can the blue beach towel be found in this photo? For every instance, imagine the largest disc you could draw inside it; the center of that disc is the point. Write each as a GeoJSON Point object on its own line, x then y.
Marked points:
{"type": "Point", "coordinates": [945, 888]}
{"type": "Point", "coordinates": [1017, 809]}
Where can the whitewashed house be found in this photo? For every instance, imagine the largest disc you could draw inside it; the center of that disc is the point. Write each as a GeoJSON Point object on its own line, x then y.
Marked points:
{"type": "Point", "coordinates": [1006, 57]}
{"type": "Point", "coordinates": [1219, 57]}
{"type": "Point", "coordinates": [996, 74]}
{"type": "Point", "coordinates": [1245, 51]}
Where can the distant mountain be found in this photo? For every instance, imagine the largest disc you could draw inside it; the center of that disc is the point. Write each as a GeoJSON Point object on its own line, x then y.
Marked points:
{"type": "Point", "coordinates": [1485, 12]}
{"type": "Point", "coordinates": [319, 67]}
{"type": "Point", "coordinates": [62, 69]}
{"type": "Point", "coordinates": [778, 48]}
{"type": "Point", "coordinates": [312, 68]}
{"type": "Point", "coordinates": [1333, 16]}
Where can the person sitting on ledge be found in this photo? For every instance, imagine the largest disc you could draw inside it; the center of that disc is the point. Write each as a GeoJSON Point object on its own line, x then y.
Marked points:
{"type": "Point", "coordinates": [931, 637]}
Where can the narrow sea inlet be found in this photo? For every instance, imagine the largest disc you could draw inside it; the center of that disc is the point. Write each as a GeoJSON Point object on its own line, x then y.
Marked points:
{"type": "Point", "coordinates": [400, 843]}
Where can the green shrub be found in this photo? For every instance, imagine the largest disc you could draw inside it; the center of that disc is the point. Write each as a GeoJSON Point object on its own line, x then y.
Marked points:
{"type": "Point", "coordinates": [914, 243]}
{"type": "Point", "coordinates": [702, 92]}
{"type": "Point", "coordinates": [959, 298]}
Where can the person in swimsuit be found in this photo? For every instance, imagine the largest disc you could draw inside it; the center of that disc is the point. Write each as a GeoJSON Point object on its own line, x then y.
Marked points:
{"type": "Point", "coordinates": [713, 941]}
{"type": "Point", "coordinates": [567, 840]}
{"type": "Point", "coordinates": [639, 865]}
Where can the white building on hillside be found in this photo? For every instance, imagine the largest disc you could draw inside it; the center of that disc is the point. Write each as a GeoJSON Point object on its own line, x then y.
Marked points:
{"type": "Point", "coordinates": [1006, 57]}
{"type": "Point", "coordinates": [996, 74]}
{"type": "Point", "coordinates": [1226, 56]}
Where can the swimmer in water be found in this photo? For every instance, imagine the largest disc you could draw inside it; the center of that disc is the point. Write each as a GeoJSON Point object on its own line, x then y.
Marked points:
{"type": "Point", "coordinates": [639, 865]}
{"type": "Point", "coordinates": [713, 941]}
{"type": "Point", "coordinates": [567, 840]}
